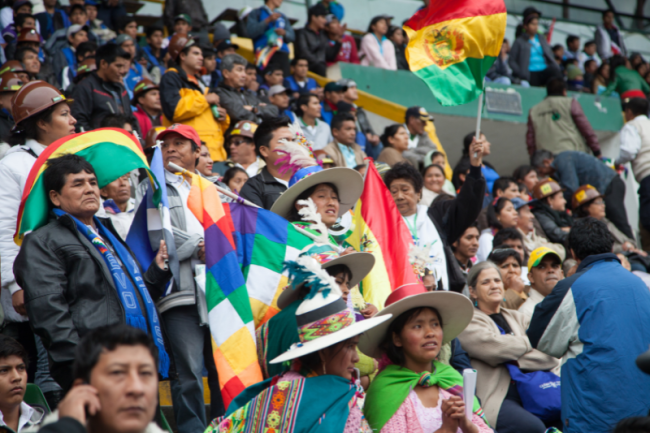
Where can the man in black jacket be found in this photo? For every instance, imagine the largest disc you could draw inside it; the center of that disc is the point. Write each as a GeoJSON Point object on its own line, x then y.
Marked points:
{"type": "Point", "coordinates": [313, 44]}
{"type": "Point", "coordinates": [70, 282]}
{"type": "Point", "coordinates": [102, 92]}
{"type": "Point", "coordinates": [265, 188]}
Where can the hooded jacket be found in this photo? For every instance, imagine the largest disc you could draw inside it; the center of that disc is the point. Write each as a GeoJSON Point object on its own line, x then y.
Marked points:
{"type": "Point", "coordinates": [183, 101]}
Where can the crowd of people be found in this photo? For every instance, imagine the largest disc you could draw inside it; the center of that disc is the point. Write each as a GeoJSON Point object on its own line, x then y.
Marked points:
{"type": "Point", "coordinates": [536, 281]}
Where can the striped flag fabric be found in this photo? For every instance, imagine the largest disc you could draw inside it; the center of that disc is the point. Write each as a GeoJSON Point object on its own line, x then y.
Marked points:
{"type": "Point", "coordinates": [453, 43]}
{"type": "Point", "coordinates": [229, 309]}
{"type": "Point", "coordinates": [152, 222]}
{"type": "Point", "coordinates": [101, 148]}
{"type": "Point", "coordinates": [379, 229]}
{"type": "Point", "coordinates": [264, 241]}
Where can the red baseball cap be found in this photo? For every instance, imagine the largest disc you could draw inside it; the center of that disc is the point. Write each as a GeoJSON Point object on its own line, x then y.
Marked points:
{"type": "Point", "coordinates": [182, 130]}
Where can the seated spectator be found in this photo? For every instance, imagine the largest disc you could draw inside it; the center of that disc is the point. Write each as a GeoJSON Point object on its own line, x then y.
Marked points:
{"type": "Point", "coordinates": [609, 40]}
{"type": "Point", "coordinates": [434, 181]}
{"type": "Point", "coordinates": [489, 350]}
{"type": "Point", "coordinates": [154, 54]}
{"type": "Point", "coordinates": [235, 178]}
{"type": "Point", "coordinates": [119, 121]}
{"type": "Point", "coordinates": [97, 26]}
{"type": "Point", "coordinates": [52, 19]}
{"type": "Point", "coordinates": [572, 169]}
{"type": "Point", "coordinates": [465, 249]}
{"type": "Point", "coordinates": [625, 81]}
{"type": "Point", "coordinates": [588, 53]}
{"type": "Point", "coordinates": [9, 17]}
{"type": "Point", "coordinates": [526, 226]}
{"type": "Point", "coordinates": [336, 34]}
{"type": "Point", "coordinates": [251, 84]}
{"type": "Point", "coordinates": [500, 72]}
{"type": "Point", "coordinates": [575, 79]}
{"type": "Point", "coordinates": [365, 132]}
{"type": "Point", "coordinates": [343, 149]}
{"type": "Point", "coordinates": [601, 79]}
{"type": "Point", "coordinates": [376, 50]}
{"type": "Point", "coordinates": [15, 414]}
{"type": "Point", "coordinates": [509, 262]}
{"type": "Point", "coordinates": [127, 25]}
{"type": "Point", "coordinates": [92, 104]}
{"type": "Point", "coordinates": [85, 67]}
{"type": "Point", "coordinates": [136, 72]}
{"type": "Point", "coordinates": [269, 28]}
{"type": "Point", "coordinates": [549, 209]}
{"type": "Point", "coordinates": [511, 238]}
{"type": "Point", "coordinates": [558, 52]}
{"type": "Point", "coordinates": [119, 205]}
{"type": "Point", "coordinates": [240, 105]}
{"type": "Point", "coordinates": [272, 76]}
{"type": "Point", "coordinates": [313, 44]}
{"type": "Point", "coordinates": [333, 94]}
{"type": "Point", "coordinates": [223, 48]}
{"type": "Point", "coordinates": [20, 21]}
{"type": "Point", "coordinates": [396, 36]}
{"type": "Point", "coordinates": [590, 68]}
{"type": "Point", "coordinates": [395, 141]}
{"type": "Point", "coordinates": [568, 129]}
{"type": "Point", "coordinates": [526, 175]}
{"type": "Point", "coordinates": [184, 100]}
{"type": "Point", "coordinates": [78, 15]}
{"type": "Point", "coordinates": [572, 47]}
{"type": "Point", "coordinates": [10, 83]}
{"type": "Point", "coordinates": [16, 67]}
{"type": "Point", "coordinates": [298, 82]}
{"type": "Point", "coordinates": [544, 272]}
{"type": "Point", "coordinates": [146, 100]}
{"type": "Point", "coordinates": [308, 109]}
{"type": "Point", "coordinates": [264, 188]}
{"type": "Point", "coordinates": [440, 158]}
{"type": "Point", "coordinates": [59, 334]}
{"type": "Point", "coordinates": [204, 167]}
{"type": "Point", "coordinates": [80, 53]}
{"type": "Point", "coordinates": [584, 308]}
{"type": "Point", "coordinates": [419, 141]}
{"type": "Point", "coordinates": [588, 202]}
{"type": "Point", "coordinates": [531, 58]}
{"type": "Point", "coordinates": [242, 148]}
{"type": "Point", "coordinates": [27, 37]}
{"type": "Point", "coordinates": [500, 214]}
{"type": "Point", "coordinates": [101, 395]}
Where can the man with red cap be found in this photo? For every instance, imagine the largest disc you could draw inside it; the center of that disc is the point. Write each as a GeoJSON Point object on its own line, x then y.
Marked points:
{"type": "Point", "coordinates": [185, 99]}
{"type": "Point", "coordinates": [184, 310]}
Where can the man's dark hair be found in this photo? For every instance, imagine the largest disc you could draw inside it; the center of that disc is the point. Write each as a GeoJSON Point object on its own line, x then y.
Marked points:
{"type": "Point", "coordinates": [501, 253]}
{"type": "Point", "coordinates": [303, 99]}
{"type": "Point", "coordinates": [107, 339]}
{"type": "Point", "coordinates": [117, 121]}
{"type": "Point", "coordinates": [295, 60]}
{"type": "Point", "coordinates": [589, 62]}
{"type": "Point", "coordinates": [250, 66]}
{"type": "Point", "coordinates": [607, 11]}
{"type": "Point", "coordinates": [77, 6]}
{"type": "Point", "coordinates": [555, 87]}
{"type": "Point", "coordinates": [557, 47]}
{"type": "Point", "coordinates": [20, 53]}
{"type": "Point", "coordinates": [588, 236]}
{"type": "Point", "coordinates": [271, 68]}
{"type": "Point", "coordinates": [394, 353]}
{"type": "Point", "coordinates": [337, 120]}
{"type": "Point", "coordinates": [10, 347]}
{"type": "Point", "coordinates": [20, 19]}
{"type": "Point", "coordinates": [502, 184]}
{"type": "Point", "coordinates": [570, 39]}
{"type": "Point", "coordinates": [58, 169]}
{"type": "Point", "coordinates": [521, 172]}
{"type": "Point", "coordinates": [507, 234]}
{"type": "Point", "coordinates": [494, 210]}
{"type": "Point", "coordinates": [149, 31]}
{"type": "Point", "coordinates": [318, 10]}
{"type": "Point", "coordinates": [404, 170]}
{"type": "Point", "coordinates": [109, 53]}
{"type": "Point", "coordinates": [589, 42]}
{"type": "Point", "coordinates": [123, 21]}
{"type": "Point", "coordinates": [264, 132]}
{"type": "Point", "coordinates": [85, 48]}
{"type": "Point", "coordinates": [537, 160]}
{"type": "Point", "coordinates": [638, 106]}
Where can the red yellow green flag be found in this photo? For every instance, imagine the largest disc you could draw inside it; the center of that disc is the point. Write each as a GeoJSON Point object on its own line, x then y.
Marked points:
{"type": "Point", "coordinates": [453, 43]}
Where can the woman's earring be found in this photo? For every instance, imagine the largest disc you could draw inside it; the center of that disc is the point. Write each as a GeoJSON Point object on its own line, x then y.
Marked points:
{"type": "Point", "coordinates": [476, 302]}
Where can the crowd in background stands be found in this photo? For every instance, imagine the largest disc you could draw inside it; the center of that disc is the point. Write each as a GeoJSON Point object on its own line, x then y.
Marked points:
{"type": "Point", "coordinates": [546, 256]}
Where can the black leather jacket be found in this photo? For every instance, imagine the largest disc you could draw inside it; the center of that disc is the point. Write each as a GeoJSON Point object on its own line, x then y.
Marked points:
{"type": "Point", "coordinates": [69, 289]}
{"type": "Point", "coordinates": [262, 189]}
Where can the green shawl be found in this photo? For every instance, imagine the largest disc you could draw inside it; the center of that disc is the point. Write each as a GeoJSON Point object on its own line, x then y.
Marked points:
{"type": "Point", "coordinates": [391, 387]}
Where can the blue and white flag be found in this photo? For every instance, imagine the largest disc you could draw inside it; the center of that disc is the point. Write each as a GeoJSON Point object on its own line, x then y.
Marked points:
{"type": "Point", "coordinates": [151, 224]}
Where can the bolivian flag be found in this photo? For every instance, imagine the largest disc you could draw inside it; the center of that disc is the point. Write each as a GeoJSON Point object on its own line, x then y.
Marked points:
{"type": "Point", "coordinates": [453, 43]}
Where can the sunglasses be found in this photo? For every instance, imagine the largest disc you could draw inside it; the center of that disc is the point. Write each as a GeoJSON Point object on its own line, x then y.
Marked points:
{"type": "Point", "coordinates": [238, 142]}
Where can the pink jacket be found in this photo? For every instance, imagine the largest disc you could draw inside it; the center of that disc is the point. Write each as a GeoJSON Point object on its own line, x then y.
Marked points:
{"type": "Point", "coordinates": [372, 55]}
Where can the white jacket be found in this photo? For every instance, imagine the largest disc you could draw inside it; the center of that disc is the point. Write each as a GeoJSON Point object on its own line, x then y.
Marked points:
{"type": "Point", "coordinates": [14, 170]}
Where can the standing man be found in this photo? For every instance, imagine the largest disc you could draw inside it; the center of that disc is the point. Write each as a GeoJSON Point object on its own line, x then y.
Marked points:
{"type": "Point", "coordinates": [343, 150]}
{"type": "Point", "coordinates": [186, 100]}
{"type": "Point", "coordinates": [146, 99]}
{"type": "Point", "coordinates": [265, 188]}
{"type": "Point", "coordinates": [609, 40]}
{"type": "Point", "coordinates": [313, 44]}
{"type": "Point", "coordinates": [597, 321]}
{"type": "Point", "coordinates": [316, 130]}
{"type": "Point", "coordinates": [558, 123]}
{"type": "Point", "coordinates": [102, 92]}
{"type": "Point", "coordinates": [544, 272]}
{"type": "Point", "coordinates": [373, 145]}
{"type": "Point", "coordinates": [419, 141]}
{"type": "Point", "coordinates": [269, 28]}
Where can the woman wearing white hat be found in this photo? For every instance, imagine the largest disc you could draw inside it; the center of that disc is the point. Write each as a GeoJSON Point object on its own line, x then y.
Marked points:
{"type": "Point", "coordinates": [416, 393]}
{"type": "Point", "coordinates": [322, 390]}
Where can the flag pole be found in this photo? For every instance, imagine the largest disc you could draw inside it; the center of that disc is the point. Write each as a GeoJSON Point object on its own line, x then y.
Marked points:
{"type": "Point", "coordinates": [478, 115]}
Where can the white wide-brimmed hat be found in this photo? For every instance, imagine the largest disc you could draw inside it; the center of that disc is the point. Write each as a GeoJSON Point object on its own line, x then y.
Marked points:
{"type": "Point", "coordinates": [323, 318]}
{"type": "Point", "coordinates": [360, 265]}
{"type": "Point", "coordinates": [456, 311]}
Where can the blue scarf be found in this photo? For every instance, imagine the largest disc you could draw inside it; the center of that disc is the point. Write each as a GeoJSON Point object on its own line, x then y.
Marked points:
{"type": "Point", "coordinates": [125, 287]}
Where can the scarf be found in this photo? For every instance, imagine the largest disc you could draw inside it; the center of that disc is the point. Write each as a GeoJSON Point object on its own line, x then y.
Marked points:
{"type": "Point", "coordinates": [391, 387]}
{"type": "Point", "coordinates": [124, 285]}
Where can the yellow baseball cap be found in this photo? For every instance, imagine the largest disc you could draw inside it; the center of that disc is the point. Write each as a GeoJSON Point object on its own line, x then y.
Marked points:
{"type": "Point", "coordinates": [538, 254]}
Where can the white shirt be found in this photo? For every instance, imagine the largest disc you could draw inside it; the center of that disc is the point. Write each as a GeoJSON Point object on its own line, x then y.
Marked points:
{"type": "Point", "coordinates": [283, 182]}
{"type": "Point", "coordinates": [630, 142]}
{"type": "Point", "coordinates": [252, 169]}
{"type": "Point", "coordinates": [26, 412]}
{"type": "Point", "coordinates": [484, 245]}
{"type": "Point", "coordinates": [413, 142]}
{"type": "Point", "coordinates": [192, 224]}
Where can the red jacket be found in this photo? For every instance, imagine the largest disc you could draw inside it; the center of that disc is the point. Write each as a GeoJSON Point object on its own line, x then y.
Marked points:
{"type": "Point", "coordinates": [145, 121]}
{"type": "Point", "coordinates": [348, 52]}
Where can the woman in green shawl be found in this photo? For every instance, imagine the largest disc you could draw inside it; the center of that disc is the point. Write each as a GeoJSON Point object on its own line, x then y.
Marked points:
{"type": "Point", "coordinates": [415, 393]}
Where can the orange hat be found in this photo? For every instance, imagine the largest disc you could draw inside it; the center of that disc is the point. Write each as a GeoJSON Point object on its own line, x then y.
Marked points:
{"type": "Point", "coordinates": [546, 188]}
{"type": "Point", "coordinates": [583, 195]}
